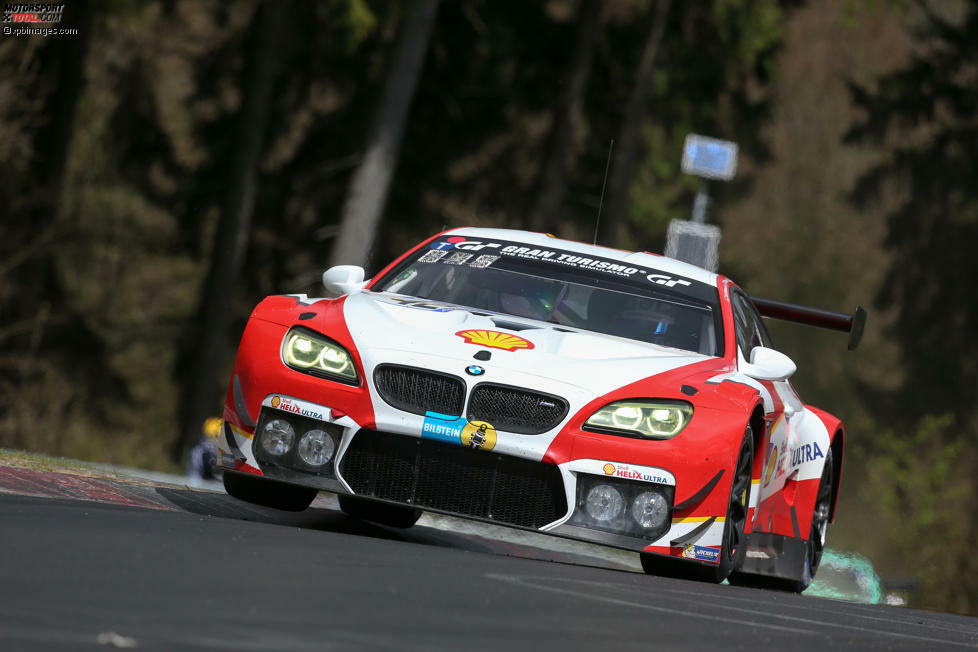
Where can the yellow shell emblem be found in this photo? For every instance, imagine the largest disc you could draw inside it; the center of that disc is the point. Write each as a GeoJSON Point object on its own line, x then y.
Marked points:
{"type": "Point", "coordinates": [480, 435]}
{"type": "Point", "coordinates": [609, 469]}
{"type": "Point", "coordinates": [495, 340]}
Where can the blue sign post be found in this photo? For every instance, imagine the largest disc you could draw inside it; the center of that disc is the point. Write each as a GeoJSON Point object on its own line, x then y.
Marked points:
{"type": "Point", "coordinates": [694, 241]}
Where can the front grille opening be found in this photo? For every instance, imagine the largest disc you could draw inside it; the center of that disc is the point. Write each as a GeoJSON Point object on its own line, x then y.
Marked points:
{"type": "Point", "coordinates": [438, 476]}
{"type": "Point", "coordinates": [515, 409]}
{"type": "Point", "coordinates": [419, 391]}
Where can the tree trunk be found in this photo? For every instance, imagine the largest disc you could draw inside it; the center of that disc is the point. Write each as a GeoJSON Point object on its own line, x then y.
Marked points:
{"type": "Point", "coordinates": [629, 144]}
{"type": "Point", "coordinates": [37, 296]}
{"type": "Point", "coordinates": [56, 140]}
{"type": "Point", "coordinates": [567, 120]}
{"type": "Point", "coordinates": [371, 181]}
{"type": "Point", "coordinates": [208, 348]}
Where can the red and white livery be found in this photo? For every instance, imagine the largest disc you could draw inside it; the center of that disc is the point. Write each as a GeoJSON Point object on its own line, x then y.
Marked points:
{"type": "Point", "coordinates": [621, 398]}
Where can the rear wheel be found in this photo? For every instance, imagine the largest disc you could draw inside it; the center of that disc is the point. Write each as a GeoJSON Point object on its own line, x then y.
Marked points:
{"type": "Point", "coordinates": [383, 513]}
{"type": "Point", "coordinates": [814, 547]}
{"type": "Point", "coordinates": [734, 545]}
{"type": "Point", "coordinates": [270, 493]}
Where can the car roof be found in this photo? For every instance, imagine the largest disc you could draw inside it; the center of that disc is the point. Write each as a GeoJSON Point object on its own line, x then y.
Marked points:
{"type": "Point", "coordinates": [641, 258]}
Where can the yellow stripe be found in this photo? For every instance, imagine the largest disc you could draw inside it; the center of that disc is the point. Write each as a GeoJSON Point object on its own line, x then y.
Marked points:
{"type": "Point", "coordinates": [697, 519]}
{"type": "Point", "coordinates": [239, 431]}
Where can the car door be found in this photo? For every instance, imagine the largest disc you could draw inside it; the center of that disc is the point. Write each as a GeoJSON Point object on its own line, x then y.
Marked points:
{"type": "Point", "coordinates": [781, 404]}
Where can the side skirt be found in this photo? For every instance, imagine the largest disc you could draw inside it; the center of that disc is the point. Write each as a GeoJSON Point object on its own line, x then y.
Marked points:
{"type": "Point", "coordinates": [775, 555]}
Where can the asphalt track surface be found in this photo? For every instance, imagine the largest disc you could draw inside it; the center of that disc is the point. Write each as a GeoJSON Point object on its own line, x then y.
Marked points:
{"type": "Point", "coordinates": [93, 564]}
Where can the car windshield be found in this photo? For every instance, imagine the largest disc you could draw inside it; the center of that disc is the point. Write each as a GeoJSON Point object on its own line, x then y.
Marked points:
{"type": "Point", "coordinates": [603, 296]}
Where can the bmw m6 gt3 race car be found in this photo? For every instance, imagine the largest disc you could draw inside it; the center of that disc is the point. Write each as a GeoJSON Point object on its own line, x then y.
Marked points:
{"type": "Point", "coordinates": [620, 398]}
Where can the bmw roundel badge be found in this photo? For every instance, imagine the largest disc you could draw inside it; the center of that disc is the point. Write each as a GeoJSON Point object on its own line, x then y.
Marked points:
{"type": "Point", "coordinates": [474, 370]}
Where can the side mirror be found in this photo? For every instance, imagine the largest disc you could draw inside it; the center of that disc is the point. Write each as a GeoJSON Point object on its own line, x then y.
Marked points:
{"type": "Point", "coordinates": [767, 364]}
{"type": "Point", "coordinates": [343, 279]}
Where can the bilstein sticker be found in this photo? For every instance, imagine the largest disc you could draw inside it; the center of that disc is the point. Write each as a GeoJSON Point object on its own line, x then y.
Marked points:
{"type": "Point", "coordinates": [480, 435]}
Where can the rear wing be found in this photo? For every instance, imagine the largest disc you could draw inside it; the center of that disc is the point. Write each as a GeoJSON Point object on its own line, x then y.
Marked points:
{"type": "Point", "coordinates": [838, 321]}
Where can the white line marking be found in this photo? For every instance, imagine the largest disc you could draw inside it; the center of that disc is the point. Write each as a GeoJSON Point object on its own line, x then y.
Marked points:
{"type": "Point", "coordinates": [522, 581]}
{"type": "Point", "coordinates": [753, 612]}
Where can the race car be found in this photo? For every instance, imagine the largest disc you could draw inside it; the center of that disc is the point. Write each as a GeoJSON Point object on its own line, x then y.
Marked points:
{"type": "Point", "coordinates": [619, 398]}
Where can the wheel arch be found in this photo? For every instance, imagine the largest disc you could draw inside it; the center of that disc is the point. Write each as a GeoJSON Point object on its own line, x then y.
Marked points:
{"type": "Point", "coordinates": [837, 445]}
{"type": "Point", "coordinates": [758, 426]}
{"type": "Point", "coordinates": [838, 449]}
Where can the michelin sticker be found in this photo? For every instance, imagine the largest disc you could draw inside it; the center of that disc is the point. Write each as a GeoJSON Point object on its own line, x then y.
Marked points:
{"type": "Point", "coordinates": [480, 435]}
{"type": "Point", "coordinates": [702, 553]}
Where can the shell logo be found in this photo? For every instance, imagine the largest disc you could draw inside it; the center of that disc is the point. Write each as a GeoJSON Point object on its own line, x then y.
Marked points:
{"type": "Point", "coordinates": [495, 340]}
{"type": "Point", "coordinates": [609, 469]}
{"type": "Point", "coordinates": [276, 401]}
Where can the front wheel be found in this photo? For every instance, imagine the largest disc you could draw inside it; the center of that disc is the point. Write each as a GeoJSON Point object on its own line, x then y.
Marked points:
{"type": "Point", "coordinates": [270, 493]}
{"type": "Point", "coordinates": [814, 547]}
{"type": "Point", "coordinates": [734, 542]}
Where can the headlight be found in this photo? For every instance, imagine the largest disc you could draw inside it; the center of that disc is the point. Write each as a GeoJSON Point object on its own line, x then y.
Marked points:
{"type": "Point", "coordinates": [306, 351]}
{"type": "Point", "coordinates": [646, 418]}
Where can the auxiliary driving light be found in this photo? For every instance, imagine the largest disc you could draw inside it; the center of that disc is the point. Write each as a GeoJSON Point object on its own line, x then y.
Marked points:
{"type": "Point", "coordinates": [604, 502]}
{"type": "Point", "coordinates": [316, 447]}
{"type": "Point", "coordinates": [650, 509]}
{"type": "Point", "coordinates": [277, 437]}
{"type": "Point", "coordinates": [623, 507]}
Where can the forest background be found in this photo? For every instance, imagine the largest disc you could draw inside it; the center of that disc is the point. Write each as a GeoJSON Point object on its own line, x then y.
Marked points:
{"type": "Point", "coordinates": [175, 161]}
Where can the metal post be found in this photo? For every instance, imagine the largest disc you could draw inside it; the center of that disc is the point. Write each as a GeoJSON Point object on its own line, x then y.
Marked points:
{"type": "Point", "coordinates": [701, 205]}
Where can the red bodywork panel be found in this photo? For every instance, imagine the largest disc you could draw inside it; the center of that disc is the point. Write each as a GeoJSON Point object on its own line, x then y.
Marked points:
{"type": "Point", "coordinates": [269, 323]}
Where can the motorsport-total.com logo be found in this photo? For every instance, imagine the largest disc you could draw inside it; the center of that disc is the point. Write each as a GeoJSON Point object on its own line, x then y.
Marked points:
{"type": "Point", "coordinates": [33, 12]}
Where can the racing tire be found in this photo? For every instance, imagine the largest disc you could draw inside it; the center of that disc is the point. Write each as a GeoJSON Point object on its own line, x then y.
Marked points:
{"type": "Point", "coordinates": [268, 493]}
{"type": "Point", "coordinates": [734, 546]}
{"type": "Point", "coordinates": [376, 512]}
{"type": "Point", "coordinates": [815, 545]}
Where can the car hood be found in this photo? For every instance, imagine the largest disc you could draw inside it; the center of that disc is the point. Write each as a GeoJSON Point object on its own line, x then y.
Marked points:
{"type": "Point", "coordinates": [443, 337]}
